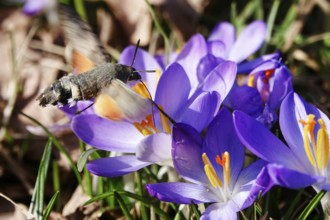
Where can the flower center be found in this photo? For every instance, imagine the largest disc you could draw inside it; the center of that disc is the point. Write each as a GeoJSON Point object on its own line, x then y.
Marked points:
{"type": "Point", "coordinates": [263, 87]}
{"type": "Point", "coordinates": [268, 75]}
{"type": "Point", "coordinates": [317, 149]}
{"type": "Point", "coordinates": [147, 126]}
{"type": "Point", "coordinates": [213, 176]}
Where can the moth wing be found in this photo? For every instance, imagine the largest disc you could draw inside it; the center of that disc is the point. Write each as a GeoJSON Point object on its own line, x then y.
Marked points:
{"type": "Point", "coordinates": [119, 102]}
{"type": "Point", "coordinates": [87, 50]}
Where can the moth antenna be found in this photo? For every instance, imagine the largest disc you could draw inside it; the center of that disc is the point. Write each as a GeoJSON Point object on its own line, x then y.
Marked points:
{"type": "Point", "coordinates": [159, 108]}
{"type": "Point", "coordinates": [145, 71]}
{"type": "Point", "coordinates": [135, 51]}
{"type": "Point", "coordinates": [84, 109]}
{"type": "Point", "coordinates": [163, 112]}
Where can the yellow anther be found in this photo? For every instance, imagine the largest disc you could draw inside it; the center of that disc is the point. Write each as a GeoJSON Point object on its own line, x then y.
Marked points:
{"type": "Point", "coordinates": [212, 176]}
{"type": "Point", "coordinates": [317, 150]}
{"type": "Point", "coordinates": [250, 81]}
{"type": "Point", "coordinates": [225, 163]}
{"type": "Point", "coordinates": [322, 145]}
{"type": "Point", "coordinates": [308, 137]}
{"type": "Point", "coordinates": [210, 172]}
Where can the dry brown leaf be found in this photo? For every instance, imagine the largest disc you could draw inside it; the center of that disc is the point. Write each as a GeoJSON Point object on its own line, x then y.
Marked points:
{"type": "Point", "coordinates": [134, 18]}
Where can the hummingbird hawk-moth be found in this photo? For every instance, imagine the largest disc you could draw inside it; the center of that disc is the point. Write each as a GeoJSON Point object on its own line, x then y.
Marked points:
{"type": "Point", "coordinates": [98, 77]}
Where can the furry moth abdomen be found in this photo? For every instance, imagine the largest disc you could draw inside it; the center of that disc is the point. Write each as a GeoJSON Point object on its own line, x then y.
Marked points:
{"type": "Point", "coordinates": [87, 85]}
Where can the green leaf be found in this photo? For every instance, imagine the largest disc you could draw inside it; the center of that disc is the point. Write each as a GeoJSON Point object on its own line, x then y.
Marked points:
{"type": "Point", "coordinates": [83, 158]}
{"type": "Point", "coordinates": [123, 206]}
{"type": "Point", "coordinates": [145, 200]}
{"type": "Point", "coordinates": [143, 210]}
{"type": "Point", "coordinates": [50, 206]}
{"type": "Point", "coordinates": [59, 146]}
{"type": "Point", "coordinates": [195, 210]}
{"type": "Point", "coordinates": [37, 201]}
{"type": "Point", "coordinates": [311, 205]}
{"type": "Point", "coordinates": [160, 30]}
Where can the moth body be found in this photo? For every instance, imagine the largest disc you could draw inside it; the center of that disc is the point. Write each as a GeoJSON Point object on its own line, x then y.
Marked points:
{"type": "Point", "coordinates": [87, 85]}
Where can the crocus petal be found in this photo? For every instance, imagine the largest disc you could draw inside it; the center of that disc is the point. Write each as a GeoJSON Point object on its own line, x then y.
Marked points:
{"type": "Point", "coordinates": [260, 141]}
{"type": "Point", "coordinates": [282, 85]}
{"type": "Point", "coordinates": [246, 182]}
{"type": "Point", "coordinates": [206, 65]}
{"type": "Point", "coordinates": [84, 106]}
{"type": "Point", "coordinates": [105, 134]}
{"type": "Point", "coordinates": [143, 61]}
{"type": "Point", "coordinates": [267, 65]}
{"type": "Point", "coordinates": [32, 7]}
{"type": "Point", "coordinates": [181, 193]}
{"type": "Point", "coordinates": [216, 48]}
{"type": "Point", "coordinates": [250, 173]}
{"type": "Point", "coordinates": [268, 117]}
{"type": "Point", "coordinates": [202, 110]}
{"type": "Point", "coordinates": [161, 59]}
{"type": "Point", "coordinates": [220, 137]}
{"type": "Point", "coordinates": [224, 32]}
{"type": "Point", "coordinates": [293, 179]}
{"type": "Point", "coordinates": [246, 99]}
{"type": "Point", "coordinates": [173, 89]}
{"type": "Point", "coordinates": [189, 58]}
{"type": "Point", "coordinates": [115, 166]}
{"type": "Point", "coordinates": [291, 111]}
{"type": "Point", "coordinates": [325, 186]}
{"type": "Point", "coordinates": [155, 148]}
{"type": "Point", "coordinates": [187, 153]}
{"type": "Point", "coordinates": [248, 66]}
{"type": "Point", "coordinates": [221, 211]}
{"type": "Point", "coordinates": [221, 79]}
{"type": "Point", "coordinates": [254, 34]}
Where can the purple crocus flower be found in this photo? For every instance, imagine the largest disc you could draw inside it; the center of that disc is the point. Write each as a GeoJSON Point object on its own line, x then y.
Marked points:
{"type": "Point", "coordinates": [222, 43]}
{"type": "Point", "coordinates": [213, 167]}
{"type": "Point", "coordinates": [262, 93]}
{"type": "Point", "coordinates": [32, 7]}
{"type": "Point", "coordinates": [304, 160]}
{"type": "Point", "coordinates": [150, 141]}
{"type": "Point", "coordinates": [223, 38]}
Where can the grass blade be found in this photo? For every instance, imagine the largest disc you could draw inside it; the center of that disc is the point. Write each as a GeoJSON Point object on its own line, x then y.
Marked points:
{"type": "Point", "coordinates": [37, 201]}
{"type": "Point", "coordinates": [83, 158]}
{"type": "Point", "coordinates": [195, 210]}
{"type": "Point", "coordinates": [60, 147]}
{"type": "Point", "coordinates": [140, 191]}
{"type": "Point", "coordinates": [145, 200]}
{"type": "Point", "coordinates": [312, 204]}
{"type": "Point", "coordinates": [123, 206]}
{"type": "Point", "coordinates": [50, 206]}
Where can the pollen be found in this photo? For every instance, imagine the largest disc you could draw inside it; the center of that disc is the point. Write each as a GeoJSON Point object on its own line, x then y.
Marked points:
{"type": "Point", "coordinates": [210, 172]}
{"type": "Point", "coordinates": [317, 149]}
{"type": "Point", "coordinates": [147, 126]}
{"type": "Point", "coordinates": [250, 81]}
